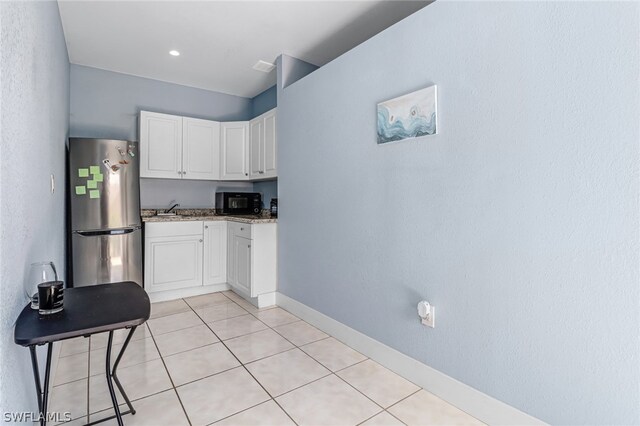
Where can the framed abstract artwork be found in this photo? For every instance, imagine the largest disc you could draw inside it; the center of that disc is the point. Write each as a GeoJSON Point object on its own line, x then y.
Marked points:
{"type": "Point", "coordinates": [408, 116]}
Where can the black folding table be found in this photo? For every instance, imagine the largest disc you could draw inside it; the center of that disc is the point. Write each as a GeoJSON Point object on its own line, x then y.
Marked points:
{"type": "Point", "coordinates": [87, 310]}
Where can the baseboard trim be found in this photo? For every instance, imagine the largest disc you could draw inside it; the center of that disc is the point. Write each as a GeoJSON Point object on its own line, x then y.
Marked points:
{"type": "Point", "coordinates": [163, 296]}
{"type": "Point", "coordinates": [480, 405]}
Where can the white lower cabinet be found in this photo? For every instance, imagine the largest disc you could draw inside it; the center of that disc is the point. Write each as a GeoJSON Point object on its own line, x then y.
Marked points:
{"type": "Point", "coordinates": [215, 252]}
{"type": "Point", "coordinates": [173, 255]}
{"type": "Point", "coordinates": [182, 256]}
{"type": "Point", "coordinates": [252, 258]}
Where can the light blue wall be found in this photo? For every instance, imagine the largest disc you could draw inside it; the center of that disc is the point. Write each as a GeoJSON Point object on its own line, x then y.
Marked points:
{"type": "Point", "coordinates": [264, 101]}
{"type": "Point", "coordinates": [34, 79]}
{"type": "Point", "coordinates": [161, 193]}
{"type": "Point", "coordinates": [289, 70]}
{"type": "Point", "coordinates": [268, 189]}
{"type": "Point", "coordinates": [519, 221]}
{"type": "Point", "coordinates": [106, 104]}
{"type": "Point", "coordinates": [292, 69]}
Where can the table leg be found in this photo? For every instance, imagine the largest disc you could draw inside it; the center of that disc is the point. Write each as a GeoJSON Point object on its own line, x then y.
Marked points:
{"type": "Point", "coordinates": [114, 399]}
{"type": "Point", "coordinates": [112, 375]}
{"type": "Point", "coordinates": [115, 367]}
{"type": "Point", "coordinates": [43, 396]}
{"type": "Point", "coordinates": [36, 375]}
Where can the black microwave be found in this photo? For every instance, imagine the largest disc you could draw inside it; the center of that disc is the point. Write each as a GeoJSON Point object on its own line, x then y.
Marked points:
{"type": "Point", "coordinates": [238, 203]}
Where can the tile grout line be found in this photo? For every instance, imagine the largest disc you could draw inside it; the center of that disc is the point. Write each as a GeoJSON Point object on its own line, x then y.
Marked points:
{"type": "Point", "coordinates": [88, 379]}
{"type": "Point", "coordinates": [396, 403]}
{"type": "Point", "coordinates": [295, 346]}
{"type": "Point", "coordinates": [247, 370]}
{"type": "Point", "coordinates": [173, 386]}
{"type": "Point", "coordinates": [331, 371]}
{"type": "Point", "coordinates": [298, 347]}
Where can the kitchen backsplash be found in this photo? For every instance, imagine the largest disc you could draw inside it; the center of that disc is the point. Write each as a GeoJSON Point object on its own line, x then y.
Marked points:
{"type": "Point", "coordinates": [159, 193]}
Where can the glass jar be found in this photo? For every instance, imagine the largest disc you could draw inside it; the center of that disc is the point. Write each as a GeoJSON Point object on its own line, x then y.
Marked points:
{"type": "Point", "coordinates": [39, 272]}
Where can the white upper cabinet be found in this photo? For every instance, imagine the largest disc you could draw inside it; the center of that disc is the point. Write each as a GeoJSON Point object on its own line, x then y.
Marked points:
{"type": "Point", "coordinates": [200, 149]}
{"type": "Point", "coordinates": [160, 145]}
{"type": "Point", "coordinates": [174, 147]}
{"type": "Point", "coordinates": [234, 150]}
{"type": "Point", "coordinates": [256, 132]}
{"type": "Point", "coordinates": [262, 157]}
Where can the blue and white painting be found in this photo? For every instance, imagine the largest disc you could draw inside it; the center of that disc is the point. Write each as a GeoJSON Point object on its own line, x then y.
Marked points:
{"type": "Point", "coordinates": [408, 116]}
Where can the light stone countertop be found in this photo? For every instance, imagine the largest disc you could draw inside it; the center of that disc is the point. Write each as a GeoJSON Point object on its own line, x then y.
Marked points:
{"type": "Point", "coordinates": [149, 215]}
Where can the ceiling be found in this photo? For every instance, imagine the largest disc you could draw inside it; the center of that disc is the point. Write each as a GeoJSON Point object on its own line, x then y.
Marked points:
{"type": "Point", "coordinates": [219, 41]}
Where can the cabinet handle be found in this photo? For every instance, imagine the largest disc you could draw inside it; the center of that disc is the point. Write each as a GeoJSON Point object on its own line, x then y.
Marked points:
{"type": "Point", "coordinates": [261, 171]}
{"type": "Point", "coordinates": [206, 227]}
{"type": "Point", "coordinates": [184, 173]}
{"type": "Point", "coordinates": [246, 174]}
{"type": "Point", "coordinates": [242, 229]}
{"type": "Point", "coordinates": [249, 246]}
{"type": "Point", "coordinates": [200, 240]}
{"type": "Point", "coordinates": [179, 172]}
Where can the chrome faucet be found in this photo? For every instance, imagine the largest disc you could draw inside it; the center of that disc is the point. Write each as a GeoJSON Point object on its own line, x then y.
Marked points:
{"type": "Point", "coordinates": [172, 207]}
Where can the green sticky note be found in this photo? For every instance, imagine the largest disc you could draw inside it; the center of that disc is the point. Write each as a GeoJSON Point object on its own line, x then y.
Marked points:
{"type": "Point", "coordinates": [83, 172]}
{"type": "Point", "coordinates": [94, 170]}
{"type": "Point", "coordinates": [94, 193]}
{"type": "Point", "coordinates": [81, 190]}
{"type": "Point", "coordinates": [92, 184]}
{"type": "Point", "coordinates": [99, 177]}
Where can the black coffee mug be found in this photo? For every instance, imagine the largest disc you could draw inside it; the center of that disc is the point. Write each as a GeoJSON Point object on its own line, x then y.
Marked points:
{"type": "Point", "coordinates": [50, 297]}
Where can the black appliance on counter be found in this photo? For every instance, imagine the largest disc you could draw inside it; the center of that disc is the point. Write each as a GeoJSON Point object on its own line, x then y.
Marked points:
{"type": "Point", "coordinates": [274, 207]}
{"type": "Point", "coordinates": [238, 203]}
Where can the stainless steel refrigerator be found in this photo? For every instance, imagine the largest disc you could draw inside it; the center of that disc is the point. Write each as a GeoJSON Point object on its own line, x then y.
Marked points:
{"type": "Point", "coordinates": [106, 239]}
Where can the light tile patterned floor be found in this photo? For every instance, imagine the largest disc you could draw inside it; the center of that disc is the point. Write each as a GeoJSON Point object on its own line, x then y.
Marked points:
{"type": "Point", "coordinates": [218, 359]}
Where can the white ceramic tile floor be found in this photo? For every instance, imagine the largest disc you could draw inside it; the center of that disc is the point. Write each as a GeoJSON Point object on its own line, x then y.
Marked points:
{"type": "Point", "coordinates": [138, 352]}
{"type": "Point", "coordinates": [300, 333]}
{"type": "Point", "coordinates": [217, 359]}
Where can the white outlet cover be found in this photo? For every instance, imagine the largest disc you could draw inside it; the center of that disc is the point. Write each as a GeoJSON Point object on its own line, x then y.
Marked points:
{"type": "Point", "coordinates": [430, 321]}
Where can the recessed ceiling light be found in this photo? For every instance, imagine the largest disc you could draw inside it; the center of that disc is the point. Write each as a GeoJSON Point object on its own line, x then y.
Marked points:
{"type": "Point", "coordinates": [174, 53]}
{"type": "Point", "coordinates": [263, 66]}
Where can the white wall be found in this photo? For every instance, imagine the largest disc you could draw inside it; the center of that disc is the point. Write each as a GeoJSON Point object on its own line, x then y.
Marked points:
{"type": "Point", "coordinates": [519, 221]}
{"type": "Point", "coordinates": [34, 79]}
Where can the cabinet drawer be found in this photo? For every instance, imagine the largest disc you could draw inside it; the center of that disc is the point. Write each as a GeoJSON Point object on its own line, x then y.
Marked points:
{"type": "Point", "coordinates": [172, 229]}
{"type": "Point", "coordinates": [241, 229]}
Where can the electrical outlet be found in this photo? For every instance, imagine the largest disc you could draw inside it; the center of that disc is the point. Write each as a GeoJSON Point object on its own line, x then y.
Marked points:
{"type": "Point", "coordinates": [426, 312]}
{"type": "Point", "coordinates": [430, 320]}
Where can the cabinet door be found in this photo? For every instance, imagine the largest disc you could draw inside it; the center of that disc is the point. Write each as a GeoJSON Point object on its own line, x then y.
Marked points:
{"type": "Point", "coordinates": [160, 145]}
{"type": "Point", "coordinates": [269, 156]}
{"type": "Point", "coordinates": [200, 149]}
{"type": "Point", "coordinates": [215, 252]}
{"type": "Point", "coordinates": [256, 148]}
{"type": "Point", "coordinates": [242, 248]}
{"type": "Point", "coordinates": [231, 255]}
{"type": "Point", "coordinates": [234, 150]}
{"type": "Point", "coordinates": [173, 262]}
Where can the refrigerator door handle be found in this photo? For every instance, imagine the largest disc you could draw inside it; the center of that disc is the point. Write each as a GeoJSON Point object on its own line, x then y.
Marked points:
{"type": "Point", "coordinates": [107, 232]}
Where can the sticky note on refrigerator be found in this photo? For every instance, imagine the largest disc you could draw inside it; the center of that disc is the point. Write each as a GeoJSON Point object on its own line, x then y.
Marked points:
{"type": "Point", "coordinates": [83, 172]}
{"type": "Point", "coordinates": [94, 170]}
{"type": "Point", "coordinates": [92, 184]}
{"type": "Point", "coordinates": [94, 193]}
{"type": "Point", "coordinates": [81, 190]}
{"type": "Point", "coordinates": [98, 177]}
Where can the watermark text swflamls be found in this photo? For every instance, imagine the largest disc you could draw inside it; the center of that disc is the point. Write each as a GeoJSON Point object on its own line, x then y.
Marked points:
{"type": "Point", "coordinates": [28, 416]}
